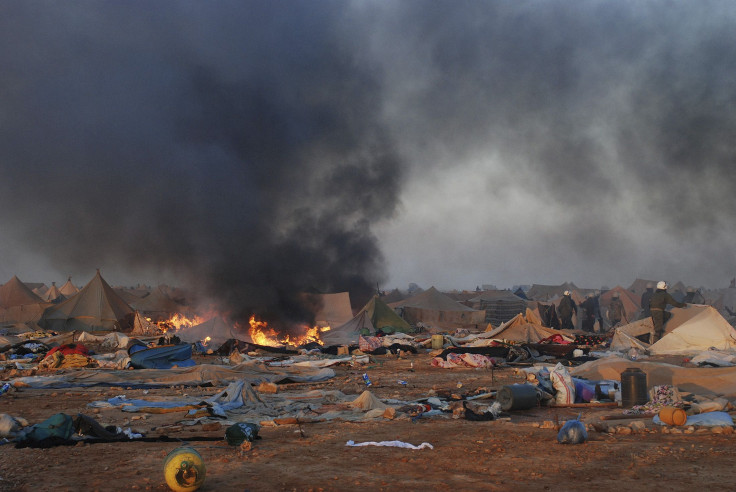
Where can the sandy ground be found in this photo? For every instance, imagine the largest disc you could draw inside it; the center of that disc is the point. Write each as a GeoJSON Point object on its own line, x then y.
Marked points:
{"type": "Point", "coordinates": [514, 454]}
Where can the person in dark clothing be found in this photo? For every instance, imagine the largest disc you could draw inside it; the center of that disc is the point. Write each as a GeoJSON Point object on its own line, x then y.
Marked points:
{"type": "Point", "coordinates": [692, 296]}
{"type": "Point", "coordinates": [565, 311]}
{"type": "Point", "coordinates": [658, 305]}
{"type": "Point", "coordinates": [549, 316]}
{"type": "Point", "coordinates": [589, 312]}
{"type": "Point", "coordinates": [616, 311]}
{"type": "Point", "coordinates": [645, 298]}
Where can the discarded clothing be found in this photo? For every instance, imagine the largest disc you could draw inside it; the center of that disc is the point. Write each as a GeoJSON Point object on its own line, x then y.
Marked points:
{"type": "Point", "coordinates": [369, 344]}
{"type": "Point", "coordinates": [659, 397]}
{"type": "Point", "coordinates": [463, 360]}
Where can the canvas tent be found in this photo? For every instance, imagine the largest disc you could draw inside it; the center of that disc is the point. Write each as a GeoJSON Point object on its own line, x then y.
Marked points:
{"type": "Point", "coordinates": [68, 289]}
{"type": "Point", "coordinates": [216, 328]}
{"type": "Point", "coordinates": [18, 304]}
{"type": "Point", "coordinates": [54, 294]}
{"type": "Point", "coordinates": [626, 337]}
{"type": "Point", "coordinates": [144, 328]}
{"type": "Point", "coordinates": [499, 305]}
{"type": "Point", "coordinates": [523, 328]}
{"type": "Point", "coordinates": [435, 310]}
{"type": "Point", "coordinates": [541, 292]}
{"type": "Point", "coordinates": [157, 304]}
{"type": "Point", "coordinates": [690, 330]}
{"type": "Point", "coordinates": [639, 286]}
{"type": "Point", "coordinates": [335, 310]}
{"type": "Point", "coordinates": [696, 328]}
{"type": "Point", "coordinates": [16, 293]}
{"type": "Point", "coordinates": [375, 315]}
{"type": "Point", "coordinates": [95, 307]}
{"type": "Point", "coordinates": [629, 300]}
{"type": "Point", "coordinates": [40, 291]}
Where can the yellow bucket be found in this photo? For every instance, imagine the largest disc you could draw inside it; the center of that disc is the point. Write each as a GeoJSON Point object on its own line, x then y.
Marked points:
{"type": "Point", "coordinates": [673, 416]}
{"type": "Point", "coordinates": [437, 341]}
{"type": "Point", "coordinates": [184, 470]}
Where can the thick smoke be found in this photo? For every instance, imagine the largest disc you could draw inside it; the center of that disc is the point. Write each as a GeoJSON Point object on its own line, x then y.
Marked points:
{"type": "Point", "coordinates": [237, 146]}
{"type": "Point", "coordinates": [252, 148]}
{"type": "Point", "coordinates": [612, 120]}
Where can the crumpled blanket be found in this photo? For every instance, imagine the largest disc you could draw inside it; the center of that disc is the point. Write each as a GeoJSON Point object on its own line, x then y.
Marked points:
{"type": "Point", "coordinates": [659, 397]}
{"type": "Point", "coordinates": [559, 339]}
{"type": "Point", "coordinates": [463, 360]}
{"type": "Point", "coordinates": [59, 361]}
{"type": "Point", "coordinates": [369, 344]}
{"type": "Point", "coordinates": [393, 444]}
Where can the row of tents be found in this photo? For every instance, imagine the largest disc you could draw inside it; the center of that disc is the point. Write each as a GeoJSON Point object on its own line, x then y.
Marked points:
{"type": "Point", "coordinates": [97, 306]}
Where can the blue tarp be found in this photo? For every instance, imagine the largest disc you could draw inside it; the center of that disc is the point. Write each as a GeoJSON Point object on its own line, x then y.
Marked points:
{"type": "Point", "coordinates": [163, 357]}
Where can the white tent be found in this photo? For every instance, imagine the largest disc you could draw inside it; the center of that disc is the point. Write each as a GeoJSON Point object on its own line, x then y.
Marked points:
{"type": "Point", "coordinates": [335, 309]}
{"type": "Point", "coordinates": [702, 327]}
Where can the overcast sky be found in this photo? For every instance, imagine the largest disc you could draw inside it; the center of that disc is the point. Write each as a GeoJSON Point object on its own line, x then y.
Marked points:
{"type": "Point", "coordinates": [340, 145]}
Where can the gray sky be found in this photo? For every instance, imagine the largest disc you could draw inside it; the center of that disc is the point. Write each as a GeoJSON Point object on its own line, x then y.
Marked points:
{"type": "Point", "coordinates": [337, 145]}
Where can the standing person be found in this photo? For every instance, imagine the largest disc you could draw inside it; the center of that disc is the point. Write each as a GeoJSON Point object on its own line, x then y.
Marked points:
{"type": "Point", "coordinates": [589, 308]}
{"type": "Point", "coordinates": [597, 310]}
{"type": "Point", "coordinates": [660, 299]}
{"type": "Point", "coordinates": [549, 316]}
{"type": "Point", "coordinates": [566, 309]}
{"type": "Point", "coordinates": [693, 296]}
{"type": "Point", "coordinates": [645, 298]}
{"type": "Point", "coordinates": [616, 311]}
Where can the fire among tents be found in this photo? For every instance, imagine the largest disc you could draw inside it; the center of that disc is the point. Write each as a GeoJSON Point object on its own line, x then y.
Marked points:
{"type": "Point", "coordinates": [262, 334]}
{"type": "Point", "coordinates": [179, 321]}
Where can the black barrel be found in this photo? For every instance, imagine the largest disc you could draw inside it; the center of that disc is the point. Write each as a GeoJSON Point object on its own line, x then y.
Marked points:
{"type": "Point", "coordinates": [633, 387]}
{"type": "Point", "coordinates": [518, 397]}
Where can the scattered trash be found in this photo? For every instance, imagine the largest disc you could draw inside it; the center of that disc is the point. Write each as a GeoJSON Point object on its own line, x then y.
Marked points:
{"type": "Point", "coordinates": [673, 416]}
{"type": "Point", "coordinates": [366, 379]}
{"type": "Point", "coordinates": [236, 434]}
{"type": "Point", "coordinates": [518, 397]}
{"type": "Point", "coordinates": [393, 444]}
{"type": "Point", "coordinates": [573, 432]}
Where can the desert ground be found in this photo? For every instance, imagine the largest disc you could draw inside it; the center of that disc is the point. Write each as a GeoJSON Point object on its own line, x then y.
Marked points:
{"type": "Point", "coordinates": [516, 452]}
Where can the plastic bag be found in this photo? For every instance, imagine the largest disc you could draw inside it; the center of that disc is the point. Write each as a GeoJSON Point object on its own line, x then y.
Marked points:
{"type": "Point", "coordinates": [573, 432]}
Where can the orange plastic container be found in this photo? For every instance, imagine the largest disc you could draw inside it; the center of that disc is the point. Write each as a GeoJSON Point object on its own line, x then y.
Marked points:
{"type": "Point", "coordinates": [673, 416]}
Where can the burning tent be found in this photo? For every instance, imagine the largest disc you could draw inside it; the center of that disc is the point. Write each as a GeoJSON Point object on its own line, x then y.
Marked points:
{"type": "Point", "coordinates": [157, 305]}
{"type": "Point", "coordinates": [144, 328]}
{"type": "Point", "coordinates": [216, 330]}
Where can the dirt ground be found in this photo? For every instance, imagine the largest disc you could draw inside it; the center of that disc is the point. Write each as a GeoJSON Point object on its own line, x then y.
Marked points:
{"type": "Point", "coordinates": [520, 453]}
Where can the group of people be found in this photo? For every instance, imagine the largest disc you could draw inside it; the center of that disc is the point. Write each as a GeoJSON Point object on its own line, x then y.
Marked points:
{"type": "Point", "coordinates": [653, 302]}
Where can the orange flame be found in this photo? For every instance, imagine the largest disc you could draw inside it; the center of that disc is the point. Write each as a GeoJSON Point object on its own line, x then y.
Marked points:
{"type": "Point", "coordinates": [179, 321]}
{"type": "Point", "coordinates": [262, 334]}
